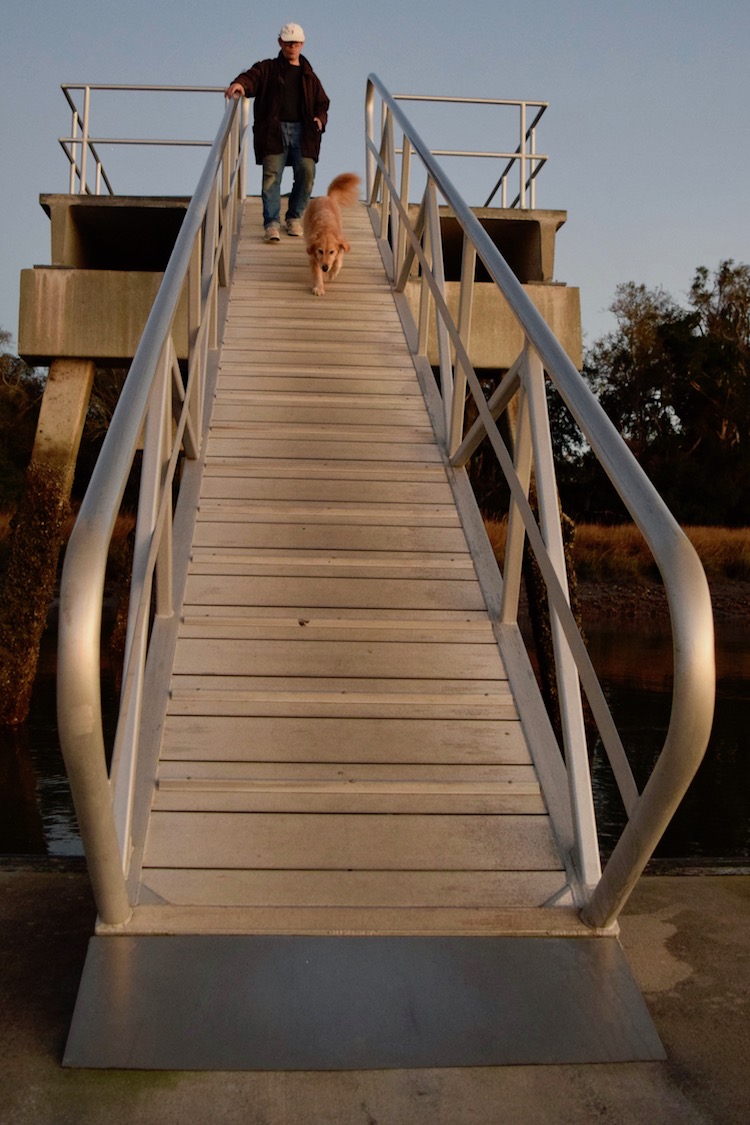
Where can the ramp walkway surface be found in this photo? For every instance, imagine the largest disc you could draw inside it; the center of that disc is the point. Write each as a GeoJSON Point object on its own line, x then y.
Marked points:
{"type": "Point", "coordinates": [346, 859]}
{"type": "Point", "coordinates": [341, 750]}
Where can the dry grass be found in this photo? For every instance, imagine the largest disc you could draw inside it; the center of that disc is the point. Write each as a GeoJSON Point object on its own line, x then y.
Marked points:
{"type": "Point", "coordinates": [621, 554]}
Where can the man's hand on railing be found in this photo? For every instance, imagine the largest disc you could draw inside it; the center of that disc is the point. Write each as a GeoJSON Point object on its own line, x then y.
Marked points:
{"type": "Point", "coordinates": [235, 91]}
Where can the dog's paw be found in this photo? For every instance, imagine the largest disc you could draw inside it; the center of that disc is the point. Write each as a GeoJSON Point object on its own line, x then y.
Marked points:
{"type": "Point", "coordinates": [318, 290]}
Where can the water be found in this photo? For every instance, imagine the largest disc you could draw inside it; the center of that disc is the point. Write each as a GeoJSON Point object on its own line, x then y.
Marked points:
{"type": "Point", "coordinates": [712, 824]}
{"type": "Point", "coordinates": [713, 820]}
{"type": "Point", "coordinates": [36, 811]}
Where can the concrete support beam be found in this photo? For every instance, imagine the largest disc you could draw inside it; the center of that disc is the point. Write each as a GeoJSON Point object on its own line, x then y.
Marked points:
{"type": "Point", "coordinates": [526, 239]}
{"type": "Point", "coordinates": [113, 232]}
{"type": "Point", "coordinates": [96, 314]}
{"type": "Point", "coordinates": [496, 338]}
{"type": "Point", "coordinates": [62, 416]}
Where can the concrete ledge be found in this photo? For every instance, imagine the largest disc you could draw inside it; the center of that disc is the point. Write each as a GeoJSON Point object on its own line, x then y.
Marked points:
{"type": "Point", "coordinates": [685, 938]}
{"type": "Point", "coordinates": [526, 239]}
{"type": "Point", "coordinates": [88, 314]}
{"type": "Point", "coordinates": [496, 338]}
{"type": "Point", "coordinates": [119, 232]}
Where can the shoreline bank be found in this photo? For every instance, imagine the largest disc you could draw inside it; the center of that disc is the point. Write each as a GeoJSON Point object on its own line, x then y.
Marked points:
{"type": "Point", "coordinates": [636, 601]}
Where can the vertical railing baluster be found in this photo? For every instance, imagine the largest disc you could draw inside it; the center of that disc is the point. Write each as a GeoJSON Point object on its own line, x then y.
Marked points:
{"type": "Point", "coordinates": [465, 310]}
{"type": "Point", "coordinates": [85, 138]}
{"type": "Point", "coordinates": [519, 425]}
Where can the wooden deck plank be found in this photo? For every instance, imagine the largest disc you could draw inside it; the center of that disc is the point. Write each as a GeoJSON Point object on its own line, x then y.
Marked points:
{"type": "Point", "coordinates": [226, 484]}
{"type": "Point", "coordinates": [351, 690]}
{"type": "Point", "coordinates": [405, 659]}
{"type": "Point", "coordinates": [328, 536]}
{"type": "Point", "coordinates": [308, 799]}
{"type": "Point", "coordinates": [213, 621]}
{"type": "Point", "coordinates": [226, 443]}
{"type": "Point", "coordinates": [432, 742]}
{"type": "Point", "coordinates": [232, 589]}
{"type": "Point", "coordinates": [343, 511]}
{"type": "Point", "coordinates": [447, 625]}
{"type": "Point", "coordinates": [386, 480]}
{"type": "Point", "coordinates": [343, 842]}
{"type": "Point", "coordinates": [323, 564]}
{"type": "Point", "coordinates": [390, 472]}
{"type": "Point", "coordinates": [205, 701]}
{"type": "Point", "coordinates": [364, 419]}
{"type": "Point", "coordinates": [245, 772]}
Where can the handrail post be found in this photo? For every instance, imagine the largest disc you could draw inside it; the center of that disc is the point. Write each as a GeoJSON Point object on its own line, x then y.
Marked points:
{"type": "Point", "coordinates": [399, 244]}
{"type": "Point", "coordinates": [73, 146]}
{"type": "Point", "coordinates": [522, 152]}
{"type": "Point", "coordinates": [465, 310]}
{"type": "Point", "coordinates": [84, 138]}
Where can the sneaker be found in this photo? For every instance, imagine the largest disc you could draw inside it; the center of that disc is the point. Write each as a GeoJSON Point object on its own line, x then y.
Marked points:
{"type": "Point", "coordinates": [272, 233]}
{"type": "Point", "coordinates": [294, 228]}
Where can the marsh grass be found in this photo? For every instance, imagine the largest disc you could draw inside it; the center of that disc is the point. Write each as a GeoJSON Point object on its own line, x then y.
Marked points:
{"type": "Point", "coordinates": [621, 554]}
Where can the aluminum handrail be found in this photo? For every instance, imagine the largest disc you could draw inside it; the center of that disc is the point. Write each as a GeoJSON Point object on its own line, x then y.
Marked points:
{"type": "Point", "coordinates": [405, 242]}
{"type": "Point", "coordinates": [87, 143]}
{"type": "Point", "coordinates": [201, 262]}
{"type": "Point", "coordinates": [525, 156]}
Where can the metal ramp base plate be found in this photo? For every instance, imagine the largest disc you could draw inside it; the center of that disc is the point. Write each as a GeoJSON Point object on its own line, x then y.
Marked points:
{"type": "Point", "coordinates": [351, 1003]}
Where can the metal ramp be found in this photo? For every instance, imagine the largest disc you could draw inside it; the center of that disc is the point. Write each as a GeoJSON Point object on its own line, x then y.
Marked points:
{"type": "Point", "coordinates": [346, 858]}
{"type": "Point", "coordinates": [339, 829]}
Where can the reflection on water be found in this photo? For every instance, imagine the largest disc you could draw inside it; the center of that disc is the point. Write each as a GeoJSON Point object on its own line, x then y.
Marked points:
{"type": "Point", "coordinates": [713, 820]}
{"type": "Point", "coordinates": [712, 823]}
{"type": "Point", "coordinates": [36, 811]}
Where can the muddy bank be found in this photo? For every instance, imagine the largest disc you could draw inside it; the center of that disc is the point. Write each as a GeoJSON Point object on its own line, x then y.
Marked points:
{"type": "Point", "coordinates": [636, 601]}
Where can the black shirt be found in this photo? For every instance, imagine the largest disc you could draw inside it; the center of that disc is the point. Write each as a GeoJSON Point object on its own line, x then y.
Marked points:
{"type": "Point", "coordinates": [291, 93]}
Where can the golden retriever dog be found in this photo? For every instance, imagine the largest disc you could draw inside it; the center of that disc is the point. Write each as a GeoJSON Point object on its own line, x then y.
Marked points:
{"type": "Point", "coordinates": [321, 223]}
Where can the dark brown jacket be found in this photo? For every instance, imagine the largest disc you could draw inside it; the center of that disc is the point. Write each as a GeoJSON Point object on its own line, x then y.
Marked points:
{"type": "Point", "coordinates": [263, 83]}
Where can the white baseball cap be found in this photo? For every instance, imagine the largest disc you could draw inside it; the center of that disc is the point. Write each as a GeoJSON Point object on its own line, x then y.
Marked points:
{"type": "Point", "coordinates": [292, 33]}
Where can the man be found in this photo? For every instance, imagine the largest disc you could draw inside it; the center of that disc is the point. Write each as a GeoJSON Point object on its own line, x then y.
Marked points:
{"type": "Point", "coordinates": [289, 117]}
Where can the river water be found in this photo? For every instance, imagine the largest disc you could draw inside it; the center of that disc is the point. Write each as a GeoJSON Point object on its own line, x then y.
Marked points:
{"type": "Point", "coordinates": [711, 827]}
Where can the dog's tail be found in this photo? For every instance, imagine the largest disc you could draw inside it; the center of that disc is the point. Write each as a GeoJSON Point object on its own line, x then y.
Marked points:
{"type": "Point", "coordinates": [345, 189]}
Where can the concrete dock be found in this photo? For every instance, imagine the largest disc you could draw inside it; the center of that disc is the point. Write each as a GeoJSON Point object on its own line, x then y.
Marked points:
{"type": "Point", "coordinates": [686, 938]}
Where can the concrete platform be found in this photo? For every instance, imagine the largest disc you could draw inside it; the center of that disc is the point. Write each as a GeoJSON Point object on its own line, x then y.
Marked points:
{"type": "Point", "coordinates": [685, 937]}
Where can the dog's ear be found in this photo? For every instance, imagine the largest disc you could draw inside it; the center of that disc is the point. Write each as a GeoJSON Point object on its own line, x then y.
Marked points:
{"type": "Point", "coordinates": [311, 250]}
{"type": "Point", "coordinates": [344, 245]}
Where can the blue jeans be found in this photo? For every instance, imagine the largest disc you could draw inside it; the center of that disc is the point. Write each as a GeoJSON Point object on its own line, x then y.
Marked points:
{"type": "Point", "coordinates": [303, 168]}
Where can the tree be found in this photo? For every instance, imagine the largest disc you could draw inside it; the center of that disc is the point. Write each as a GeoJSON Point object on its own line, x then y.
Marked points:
{"type": "Point", "coordinates": [675, 384]}
{"type": "Point", "coordinates": [20, 395]}
{"type": "Point", "coordinates": [711, 397]}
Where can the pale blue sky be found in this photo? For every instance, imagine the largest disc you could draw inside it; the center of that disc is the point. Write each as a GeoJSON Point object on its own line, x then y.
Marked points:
{"type": "Point", "coordinates": [646, 130]}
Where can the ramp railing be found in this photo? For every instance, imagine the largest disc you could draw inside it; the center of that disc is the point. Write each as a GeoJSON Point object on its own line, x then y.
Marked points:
{"type": "Point", "coordinates": [162, 407]}
{"type": "Point", "coordinates": [87, 174]}
{"type": "Point", "coordinates": [522, 164]}
{"type": "Point", "coordinates": [411, 243]}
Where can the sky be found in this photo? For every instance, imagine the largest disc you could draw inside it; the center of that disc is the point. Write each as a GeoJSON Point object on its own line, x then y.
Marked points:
{"type": "Point", "coordinates": [646, 132]}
